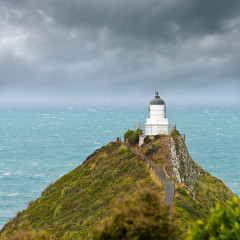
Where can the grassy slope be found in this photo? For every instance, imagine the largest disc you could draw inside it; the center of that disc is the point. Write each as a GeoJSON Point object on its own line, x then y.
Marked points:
{"type": "Point", "coordinates": [72, 206]}
{"type": "Point", "coordinates": [208, 189]}
{"type": "Point", "coordinates": [158, 150]}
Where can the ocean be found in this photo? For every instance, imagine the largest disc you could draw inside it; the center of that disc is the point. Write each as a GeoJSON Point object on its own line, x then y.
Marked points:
{"type": "Point", "coordinates": [38, 145]}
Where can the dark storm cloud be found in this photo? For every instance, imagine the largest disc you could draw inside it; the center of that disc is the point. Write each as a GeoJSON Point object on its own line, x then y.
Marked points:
{"type": "Point", "coordinates": [113, 45]}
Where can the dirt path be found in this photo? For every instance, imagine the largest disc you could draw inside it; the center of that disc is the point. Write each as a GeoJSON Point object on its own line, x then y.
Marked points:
{"type": "Point", "coordinates": [167, 185]}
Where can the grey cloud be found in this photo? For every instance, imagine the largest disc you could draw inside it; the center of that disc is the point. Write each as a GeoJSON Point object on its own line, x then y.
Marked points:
{"type": "Point", "coordinates": [74, 46]}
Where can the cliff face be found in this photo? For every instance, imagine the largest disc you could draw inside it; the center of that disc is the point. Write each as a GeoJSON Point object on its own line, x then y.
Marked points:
{"type": "Point", "coordinates": [72, 206]}
{"type": "Point", "coordinates": [184, 168]}
{"type": "Point", "coordinates": [196, 191]}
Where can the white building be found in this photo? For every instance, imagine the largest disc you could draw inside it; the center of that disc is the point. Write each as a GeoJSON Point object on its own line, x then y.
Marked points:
{"type": "Point", "coordinates": [157, 123]}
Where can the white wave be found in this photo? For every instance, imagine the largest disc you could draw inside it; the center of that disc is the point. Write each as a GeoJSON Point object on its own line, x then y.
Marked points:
{"type": "Point", "coordinates": [13, 194]}
{"type": "Point", "coordinates": [49, 117]}
{"type": "Point", "coordinates": [6, 174]}
{"type": "Point", "coordinates": [35, 164]}
{"type": "Point", "coordinates": [85, 141]}
{"type": "Point", "coordinates": [92, 110]}
{"type": "Point", "coordinates": [220, 134]}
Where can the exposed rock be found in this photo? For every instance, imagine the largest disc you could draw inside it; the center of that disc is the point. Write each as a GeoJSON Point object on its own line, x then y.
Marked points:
{"type": "Point", "coordinates": [184, 168]}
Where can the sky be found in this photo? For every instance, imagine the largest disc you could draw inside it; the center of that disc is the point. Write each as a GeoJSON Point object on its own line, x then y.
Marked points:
{"type": "Point", "coordinates": [108, 48]}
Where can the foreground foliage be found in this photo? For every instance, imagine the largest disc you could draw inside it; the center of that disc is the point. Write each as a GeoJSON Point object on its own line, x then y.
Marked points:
{"type": "Point", "coordinates": [224, 223]}
{"type": "Point", "coordinates": [143, 216]}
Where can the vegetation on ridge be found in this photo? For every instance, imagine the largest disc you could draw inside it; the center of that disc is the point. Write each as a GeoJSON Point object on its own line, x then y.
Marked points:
{"type": "Point", "coordinates": [72, 206]}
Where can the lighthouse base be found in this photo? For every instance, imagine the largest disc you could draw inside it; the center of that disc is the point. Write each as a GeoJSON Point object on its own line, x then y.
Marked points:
{"type": "Point", "coordinates": [157, 129]}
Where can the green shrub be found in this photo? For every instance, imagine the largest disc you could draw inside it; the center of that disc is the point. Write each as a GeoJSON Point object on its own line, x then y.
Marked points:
{"type": "Point", "coordinates": [135, 138]}
{"type": "Point", "coordinates": [142, 217]}
{"type": "Point", "coordinates": [224, 223]}
{"type": "Point", "coordinates": [132, 137]}
{"type": "Point", "coordinates": [182, 191]}
{"type": "Point", "coordinates": [146, 140]}
{"type": "Point", "coordinates": [127, 134]}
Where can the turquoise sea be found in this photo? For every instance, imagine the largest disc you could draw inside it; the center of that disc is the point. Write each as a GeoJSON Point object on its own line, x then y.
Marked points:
{"type": "Point", "coordinates": [40, 144]}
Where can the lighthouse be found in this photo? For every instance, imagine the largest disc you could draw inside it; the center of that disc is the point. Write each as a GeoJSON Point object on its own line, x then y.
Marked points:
{"type": "Point", "coordinates": [157, 123]}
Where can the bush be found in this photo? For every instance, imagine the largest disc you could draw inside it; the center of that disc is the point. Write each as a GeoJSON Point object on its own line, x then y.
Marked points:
{"type": "Point", "coordinates": [135, 137]}
{"type": "Point", "coordinates": [127, 134]}
{"type": "Point", "coordinates": [142, 217]}
{"type": "Point", "coordinates": [182, 191]}
{"type": "Point", "coordinates": [224, 223]}
{"type": "Point", "coordinates": [146, 140]}
{"type": "Point", "coordinates": [132, 137]}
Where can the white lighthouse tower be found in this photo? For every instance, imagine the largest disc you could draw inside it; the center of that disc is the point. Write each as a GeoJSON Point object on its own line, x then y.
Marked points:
{"type": "Point", "coordinates": [157, 123]}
